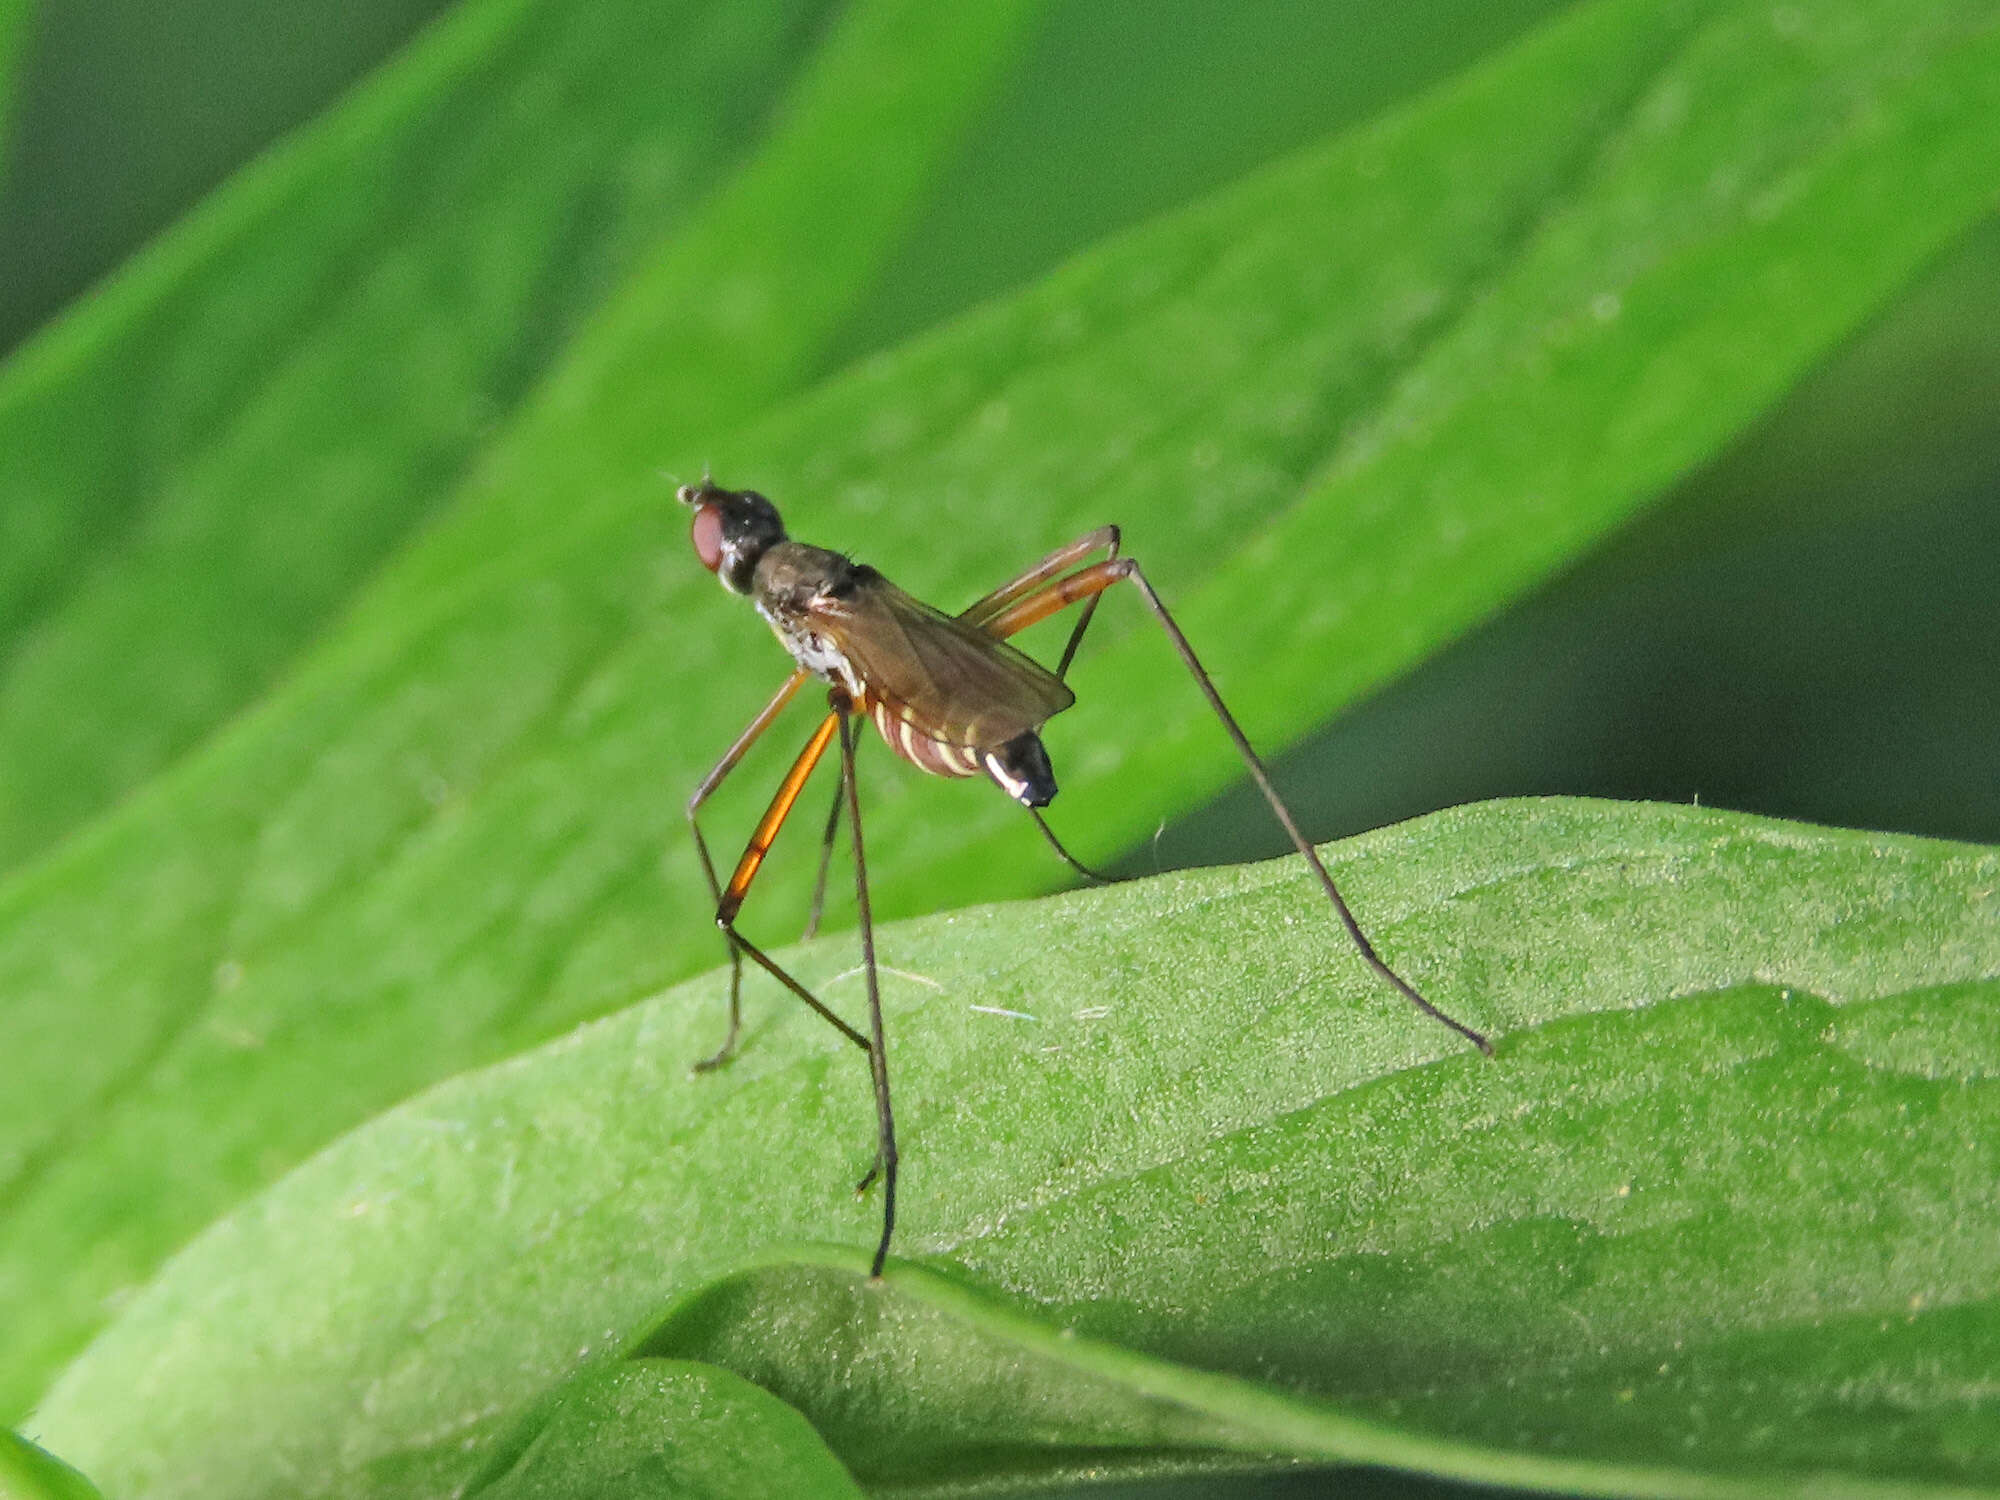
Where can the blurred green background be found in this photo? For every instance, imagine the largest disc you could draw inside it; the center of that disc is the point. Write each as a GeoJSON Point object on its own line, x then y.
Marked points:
{"type": "Point", "coordinates": [1806, 625]}
{"type": "Point", "coordinates": [1827, 661]}
{"type": "Point", "coordinates": [124, 114]}
{"type": "Point", "coordinates": [1808, 628]}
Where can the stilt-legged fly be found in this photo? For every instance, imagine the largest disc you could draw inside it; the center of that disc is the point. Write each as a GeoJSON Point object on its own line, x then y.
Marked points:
{"type": "Point", "coordinates": [948, 695]}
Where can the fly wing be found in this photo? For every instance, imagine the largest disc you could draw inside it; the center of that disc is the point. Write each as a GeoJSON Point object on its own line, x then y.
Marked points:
{"type": "Point", "coordinates": [951, 680]}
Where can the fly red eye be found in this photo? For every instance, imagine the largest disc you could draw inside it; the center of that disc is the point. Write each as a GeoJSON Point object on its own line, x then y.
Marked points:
{"type": "Point", "coordinates": [708, 536]}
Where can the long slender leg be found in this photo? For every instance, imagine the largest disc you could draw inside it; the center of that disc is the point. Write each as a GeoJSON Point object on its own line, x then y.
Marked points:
{"type": "Point", "coordinates": [701, 794]}
{"type": "Point", "coordinates": [1088, 583]}
{"type": "Point", "coordinates": [730, 901]}
{"type": "Point", "coordinates": [1059, 561]}
{"type": "Point", "coordinates": [1083, 620]}
{"type": "Point", "coordinates": [770, 966]}
{"type": "Point", "coordinates": [1064, 855]}
{"type": "Point", "coordinates": [878, 1055]}
{"type": "Point", "coordinates": [826, 839]}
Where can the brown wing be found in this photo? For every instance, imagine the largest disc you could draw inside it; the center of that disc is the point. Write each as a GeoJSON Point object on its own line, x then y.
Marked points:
{"type": "Point", "coordinates": [953, 681]}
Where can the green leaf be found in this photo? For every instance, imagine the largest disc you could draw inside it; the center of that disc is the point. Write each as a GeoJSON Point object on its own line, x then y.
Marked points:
{"type": "Point", "coordinates": [13, 33]}
{"type": "Point", "coordinates": [1115, 116]}
{"type": "Point", "coordinates": [662, 1427]}
{"type": "Point", "coordinates": [1346, 408]}
{"type": "Point", "coordinates": [29, 1473]}
{"type": "Point", "coordinates": [1180, 1174]}
{"type": "Point", "coordinates": [331, 341]}
{"type": "Point", "coordinates": [1790, 633]}
{"type": "Point", "coordinates": [116, 130]}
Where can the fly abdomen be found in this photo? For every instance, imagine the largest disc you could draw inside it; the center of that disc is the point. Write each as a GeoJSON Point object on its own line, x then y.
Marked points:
{"type": "Point", "coordinates": [1020, 767]}
{"type": "Point", "coordinates": [919, 749]}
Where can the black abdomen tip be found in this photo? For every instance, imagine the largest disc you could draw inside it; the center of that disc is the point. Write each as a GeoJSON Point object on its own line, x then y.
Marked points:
{"type": "Point", "coordinates": [1022, 770]}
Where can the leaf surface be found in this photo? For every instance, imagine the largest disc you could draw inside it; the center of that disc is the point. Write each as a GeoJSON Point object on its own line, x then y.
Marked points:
{"type": "Point", "coordinates": [1180, 1176]}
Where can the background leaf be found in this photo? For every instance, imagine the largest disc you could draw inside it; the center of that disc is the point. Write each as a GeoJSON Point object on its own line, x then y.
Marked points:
{"type": "Point", "coordinates": [13, 27]}
{"type": "Point", "coordinates": [28, 1473]}
{"type": "Point", "coordinates": [1716, 1219]}
{"type": "Point", "coordinates": [1790, 631]}
{"type": "Point", "coordinates": [128, 115]}
{"type": "Point", "coordinates": [669, 1427]}
{"type": "Point", "coordinates": [863, 162]}
{"type": "Point", "coordinates": [331, 340]}
{"type": "Point", "coordinates": [405, 861]}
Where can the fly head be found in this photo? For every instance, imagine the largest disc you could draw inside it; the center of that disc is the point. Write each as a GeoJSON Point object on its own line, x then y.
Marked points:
{"type": "Point", "coordinates": [732, 529]}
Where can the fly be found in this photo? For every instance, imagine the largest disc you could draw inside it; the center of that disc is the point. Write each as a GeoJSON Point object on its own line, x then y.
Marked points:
{"type": "Point", "coordinates": [948, 695]}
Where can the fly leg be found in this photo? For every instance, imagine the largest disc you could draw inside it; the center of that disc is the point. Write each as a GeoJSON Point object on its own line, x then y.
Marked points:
{"type": "Point", "coordinates": [1062, 852]}
{"type": "Point", "coordinates": [701, 794]}
{"type": "Point", "coordinates": [826, 839]}
{"type": "Point", "coordinates": [730, 900]}
{"type": "Point", "coordinates": [884, 1169]}
{"type": "Point", "coordinates": [1058, 562]}
{"type": "Point", "coordinates": [729, 903]}
{"type": "Point", "coordinates": [1082, 587]}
